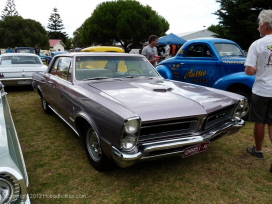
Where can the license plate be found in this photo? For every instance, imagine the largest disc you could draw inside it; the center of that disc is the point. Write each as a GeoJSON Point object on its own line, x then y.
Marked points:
{"type": "Point", "coordinates": [24, 82]}
{"type": "Point", "coordinates": [195, 149]}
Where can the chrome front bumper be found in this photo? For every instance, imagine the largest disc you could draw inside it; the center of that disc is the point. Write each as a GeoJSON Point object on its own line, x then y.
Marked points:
{"type": "Point", "coordinates": [173, 147]}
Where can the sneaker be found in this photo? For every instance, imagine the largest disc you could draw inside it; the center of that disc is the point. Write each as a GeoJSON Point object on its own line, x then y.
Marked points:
{"type": "Point", "coordinates": [251, 150]}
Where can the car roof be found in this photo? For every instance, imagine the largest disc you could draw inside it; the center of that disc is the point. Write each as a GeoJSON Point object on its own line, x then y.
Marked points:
{"type": "Point", "coordinates": [18, 54]}
{"type": "Point", "coordinates": [102, 49]}
{"type": "Point", "coordinates": [59, 52]}
{"type": "Point", "coordinates": [212, 40]}
{"type": "Point", "coordinates": [75, 54]}
{"type": "Point", "coordinates": [25, 48]}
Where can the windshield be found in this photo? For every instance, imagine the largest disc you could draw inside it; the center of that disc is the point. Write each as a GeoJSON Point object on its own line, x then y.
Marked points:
{"type": "Point", "coordinates": [10, 60]}
{"type": "Point", "coordinates": [102, 67]}
{"type": "Point", "coordinates": [227, 49]}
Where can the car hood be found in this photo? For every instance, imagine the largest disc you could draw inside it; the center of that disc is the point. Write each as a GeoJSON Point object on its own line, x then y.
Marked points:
{"type": "Point", "coordinates": [155, 99]}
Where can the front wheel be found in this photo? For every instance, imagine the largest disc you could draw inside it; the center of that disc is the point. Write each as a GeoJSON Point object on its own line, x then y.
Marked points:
{"type": "Point", "coordinates": [94, 151]}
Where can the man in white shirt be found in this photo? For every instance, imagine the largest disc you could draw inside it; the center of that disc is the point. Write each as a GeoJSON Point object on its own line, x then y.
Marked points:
{"type": "Point", "coordinates": [258, 63]}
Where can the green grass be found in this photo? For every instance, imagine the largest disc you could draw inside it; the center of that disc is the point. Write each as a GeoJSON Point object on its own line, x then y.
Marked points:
{"type": "Point", "coordinates": [57, 165]}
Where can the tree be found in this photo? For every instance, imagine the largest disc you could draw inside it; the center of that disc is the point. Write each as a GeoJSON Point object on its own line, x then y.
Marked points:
{"type": "Point", "coordinates": [9, 9]}
{"type": "Point", "coordinates": [237, 20]}
{"type": "Point", "coordinates": [121, 21]}
{"type": "Point", "coordinates": [18, 32]}
{"type": "Point", "coordinates": [55, 27]}
{"type": "Point", "coordinates": [76, 41]}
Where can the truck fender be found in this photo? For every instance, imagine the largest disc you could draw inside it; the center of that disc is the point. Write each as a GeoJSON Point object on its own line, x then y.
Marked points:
{"type": "Point", "coordinates": [236, 78]}
{"type": "Point", "coordinates": [164, 71]}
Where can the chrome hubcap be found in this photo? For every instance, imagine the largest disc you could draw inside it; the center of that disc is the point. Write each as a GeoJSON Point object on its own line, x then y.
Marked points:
{"type": "Point", "coordinates": [93, 145]}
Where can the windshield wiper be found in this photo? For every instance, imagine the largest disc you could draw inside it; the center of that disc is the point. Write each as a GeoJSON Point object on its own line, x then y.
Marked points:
{"type": "Point", "coordinates": [95, 78]}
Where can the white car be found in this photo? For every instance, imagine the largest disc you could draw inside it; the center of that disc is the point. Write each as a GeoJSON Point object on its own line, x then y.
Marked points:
{"type": "Point", "coordinates": [16, 69]}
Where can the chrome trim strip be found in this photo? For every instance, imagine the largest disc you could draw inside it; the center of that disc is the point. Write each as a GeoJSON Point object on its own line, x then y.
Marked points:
{"type": "Point", "coordinates": [15, 79]}
{"type": "Point", "coordinates": [63, 119]}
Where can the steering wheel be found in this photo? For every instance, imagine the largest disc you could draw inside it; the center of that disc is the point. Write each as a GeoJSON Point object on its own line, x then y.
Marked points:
{"type": "Point", "coordinates": [132, 71]}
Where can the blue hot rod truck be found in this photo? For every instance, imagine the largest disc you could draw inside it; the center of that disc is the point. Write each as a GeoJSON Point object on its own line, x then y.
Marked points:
{"type": "Point", "coordinates": [212, 62]}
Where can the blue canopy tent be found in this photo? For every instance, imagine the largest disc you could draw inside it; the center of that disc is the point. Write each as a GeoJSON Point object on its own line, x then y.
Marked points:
{"type": "Point", "coordinates": [171, 39]}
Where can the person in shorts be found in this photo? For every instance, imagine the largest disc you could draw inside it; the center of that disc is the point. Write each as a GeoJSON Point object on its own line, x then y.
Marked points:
{"type": "Point", "coordinates": [258, 63]}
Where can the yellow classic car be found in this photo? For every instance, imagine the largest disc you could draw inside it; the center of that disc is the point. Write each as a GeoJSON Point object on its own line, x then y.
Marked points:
{"type": "Point", "coordinates": [103, 49]}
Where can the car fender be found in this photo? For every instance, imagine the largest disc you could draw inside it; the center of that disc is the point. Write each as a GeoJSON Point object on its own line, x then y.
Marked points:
{"type": "Point", "coordinates": [164, 71]}
{"type": "Point", "coordinates": [82, 118]}
{"type": "Point", "coordinates": [236, 78]}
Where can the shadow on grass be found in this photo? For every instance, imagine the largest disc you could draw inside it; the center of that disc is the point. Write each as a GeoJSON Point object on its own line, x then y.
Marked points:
{"type": "Point", "coordinates": [18, 88]}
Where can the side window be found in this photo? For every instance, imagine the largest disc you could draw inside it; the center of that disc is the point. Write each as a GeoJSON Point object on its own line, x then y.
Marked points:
{"type": "Point", "coordinates": [64, 67]}
{"type": "Point", "coordinates": [207, 51]}
{"type": "Point", "coordinates": [194, 51]}
{"type": "Point", "coordinates": [61, 68]}
{"type": "Point", "coordinates": [54, 68]}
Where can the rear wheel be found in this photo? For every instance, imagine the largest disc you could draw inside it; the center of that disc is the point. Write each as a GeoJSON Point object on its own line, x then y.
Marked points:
{"type": "Point", "coordinates": [94, 151]}
{"type": "Point", "coordinates": [45, 106]}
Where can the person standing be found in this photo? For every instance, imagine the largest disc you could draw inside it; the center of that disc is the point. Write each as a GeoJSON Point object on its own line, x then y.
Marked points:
{"type": "Point", "coordinates": [9, 50]}
{"type": "Point", "coordinates": [37, 50]}
{"type": "Point", "coordinates": [150, 51]}
{"type": "Point", "coordinates": [258, 63]}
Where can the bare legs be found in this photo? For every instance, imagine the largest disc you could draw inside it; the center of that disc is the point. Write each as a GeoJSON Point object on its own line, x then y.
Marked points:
{"type": "Point", "coordinates": [259, 131]}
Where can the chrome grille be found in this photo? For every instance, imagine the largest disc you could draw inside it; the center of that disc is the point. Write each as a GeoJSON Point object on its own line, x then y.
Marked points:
{"type": "Point", "coordinates": [166, 129]}
{"type": "Point", "coordinates": [218, 117]}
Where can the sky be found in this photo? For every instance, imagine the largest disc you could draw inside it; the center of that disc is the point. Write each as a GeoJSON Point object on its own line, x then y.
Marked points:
{"type": "Point", "coordinates": [182, 15]}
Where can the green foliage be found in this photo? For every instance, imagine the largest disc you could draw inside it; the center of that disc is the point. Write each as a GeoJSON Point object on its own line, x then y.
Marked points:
{"type": "Point", "coordinates": [122, 21]}
{"type": "Point", "coordinates": [55, 26]}
{"type": "Point", "coordinates": [9, 9]}
{"type": "Point", "coordinates": [76, 41]}
{"type": "Point", "coordinates": [18, 32]}
{"type": "Point", "coordinates": [237, 20]}
{"type": "Point", "coordinates": [55, 22]}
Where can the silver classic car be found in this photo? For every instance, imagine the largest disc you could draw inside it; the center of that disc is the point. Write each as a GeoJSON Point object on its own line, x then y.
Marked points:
{"type": "Point", "coordinates": [126, 112]}
{"type": "Point", "coordinates": [16, 69]}
{"type": "Point", "coordinates": [13, 174]}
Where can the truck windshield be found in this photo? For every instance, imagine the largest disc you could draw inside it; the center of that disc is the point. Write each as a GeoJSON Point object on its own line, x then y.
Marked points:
{"type": "Point", "coordinates": [227, 49]}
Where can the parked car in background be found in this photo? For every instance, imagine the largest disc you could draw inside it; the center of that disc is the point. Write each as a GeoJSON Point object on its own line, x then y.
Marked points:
{"type": "Point", "coordinates": [24, 50]}
{"type": "Point", "coordinates": [13, 174]}
{"type": "Point", "coordinates": [52, 54]}
{"type": "Point", "coordinates": [126, 112]}
{"type": "Point", "coordinates": [16, 69]}
{"type": "Point", "coordinates": [212, 62]}
{"type": "Point", "coordinates": [43, 55]}
{"type": "Point", "coordinates": [103, 49]}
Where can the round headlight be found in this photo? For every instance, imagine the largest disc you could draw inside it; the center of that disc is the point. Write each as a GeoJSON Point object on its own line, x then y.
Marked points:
{"type": "Point", "coordinates": [242, 108]}
{"type": "Point", "coordinates": [129, 142]}
{"type": "Point", "coordinates": [6, 191]}
{"type": "Point", "coordinates": [131, 126]}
